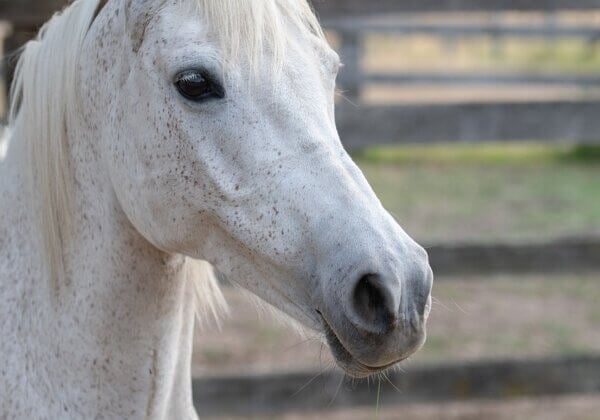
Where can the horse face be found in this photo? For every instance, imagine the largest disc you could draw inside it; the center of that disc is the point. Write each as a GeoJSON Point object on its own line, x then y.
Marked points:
{"type": "Point", "coordinates": [242, 166]}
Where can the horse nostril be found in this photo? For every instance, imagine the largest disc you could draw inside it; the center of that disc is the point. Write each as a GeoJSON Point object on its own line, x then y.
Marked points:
{"type": "Point", "coordinates": [373, 303]}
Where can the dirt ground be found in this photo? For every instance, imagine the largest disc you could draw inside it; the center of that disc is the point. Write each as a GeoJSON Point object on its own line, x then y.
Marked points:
{"type": "Point", "coordinates": [561, 408]}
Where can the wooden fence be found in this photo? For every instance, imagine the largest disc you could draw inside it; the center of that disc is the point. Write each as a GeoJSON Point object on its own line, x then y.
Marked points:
{"type": "Point", "coordinates": [271, 395]}
{"type": "Point", "coordinates": [351, 32]}
{"type": "Point", "coordinates": [362, 125]}
{"type": "Point", "coordinates": [574, 122]}
{"type": "Point", "coordinates": [5, 31]}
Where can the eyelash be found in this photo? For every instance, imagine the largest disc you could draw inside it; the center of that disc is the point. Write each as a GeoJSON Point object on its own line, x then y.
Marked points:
{"type": "Point", "coordinates": [206, 85]}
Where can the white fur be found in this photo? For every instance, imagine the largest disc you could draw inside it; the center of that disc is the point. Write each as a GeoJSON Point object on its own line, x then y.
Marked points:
{"type": "Point", "coordinates": [117, 195]}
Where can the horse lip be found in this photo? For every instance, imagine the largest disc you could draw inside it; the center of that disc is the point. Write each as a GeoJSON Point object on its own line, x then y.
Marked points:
{"type": "Point", "coordinates": [344, 357]}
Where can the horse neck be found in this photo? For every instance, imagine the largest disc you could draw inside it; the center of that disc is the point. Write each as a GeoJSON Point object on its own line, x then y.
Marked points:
{"type": "Point", "coordinates": [117, 338]}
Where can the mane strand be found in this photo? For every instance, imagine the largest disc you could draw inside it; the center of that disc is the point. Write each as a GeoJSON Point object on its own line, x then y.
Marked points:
{"type": "Point", "coordinates": [43, 95]}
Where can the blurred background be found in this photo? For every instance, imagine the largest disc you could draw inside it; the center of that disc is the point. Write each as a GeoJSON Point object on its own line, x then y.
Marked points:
{"type": "Point", "coordinates": [478, 125]}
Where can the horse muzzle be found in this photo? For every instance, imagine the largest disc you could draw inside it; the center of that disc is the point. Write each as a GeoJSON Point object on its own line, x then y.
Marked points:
{"type": "Point", "coordinates": [377, 318]}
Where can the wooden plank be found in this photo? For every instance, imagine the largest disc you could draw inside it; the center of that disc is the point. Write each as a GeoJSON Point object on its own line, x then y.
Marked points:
{"type": "Point", "coordinates": [410, 27]}
{"type": "Point", "coordinates": [5, 30]}
{"type": "Point", "coordinates": [560, 256]}
{"type": "Point", "coordinates": [32, 13]}
{"type": "Point", "coordinates": [479, 79]}
{"type": "Point", "coordinates": [310, 391]}
{"type": "Point", "coordinates": [362, 126]}
{"type": "Point", "coordinates": [334, 8]}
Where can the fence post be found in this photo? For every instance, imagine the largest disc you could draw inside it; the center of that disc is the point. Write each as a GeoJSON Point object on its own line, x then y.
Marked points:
{"type": "Point", "coordinates": [351, 49]}
{"type": "Point", "coordinates": [5, 32]}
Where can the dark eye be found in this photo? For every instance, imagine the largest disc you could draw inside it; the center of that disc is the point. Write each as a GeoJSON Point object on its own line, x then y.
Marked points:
{"type": "Point", "coordinates": [198, 86]}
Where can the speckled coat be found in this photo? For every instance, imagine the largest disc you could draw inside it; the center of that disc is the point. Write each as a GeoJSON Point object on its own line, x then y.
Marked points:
{"type": "Point", "coordinates": [256, 182]}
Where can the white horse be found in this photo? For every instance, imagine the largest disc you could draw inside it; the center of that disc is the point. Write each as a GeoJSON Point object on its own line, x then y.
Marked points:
{"type": "Point", "coordinates": [149, 136]}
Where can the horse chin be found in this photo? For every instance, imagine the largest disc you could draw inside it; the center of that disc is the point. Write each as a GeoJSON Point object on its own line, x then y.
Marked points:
{"type": "Point", "coordinates": [346, 361]}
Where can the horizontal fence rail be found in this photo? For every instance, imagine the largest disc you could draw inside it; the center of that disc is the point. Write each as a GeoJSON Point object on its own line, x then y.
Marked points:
{"type": "Point", "coordinates": [32, 13]}
{"type": "Point", "coordinates": [311, 391]}
{"type": "Point", "coordinates": [561, 256]}
{"type": "Point", "coordinates": [432, 78]}
{"type": "Point", "coordinates": [362, 126]}
{"type": "Point", "coordinates": [328, 8]}
{"type": "Point", "coordinates": [492, 29]}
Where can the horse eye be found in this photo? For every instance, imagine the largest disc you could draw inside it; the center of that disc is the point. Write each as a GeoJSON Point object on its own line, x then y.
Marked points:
{"type": "Point", "coordinates": [196, 86]}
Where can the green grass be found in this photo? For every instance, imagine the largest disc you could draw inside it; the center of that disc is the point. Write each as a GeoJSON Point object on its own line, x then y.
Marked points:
{"type": "Point", "coordinates": [489, 192]}
{"type": "Point", "coordinates": [492, 153]}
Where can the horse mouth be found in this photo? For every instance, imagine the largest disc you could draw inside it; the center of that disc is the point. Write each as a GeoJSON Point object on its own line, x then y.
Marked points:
{"type": "Point", "coordinates": [344, 358]}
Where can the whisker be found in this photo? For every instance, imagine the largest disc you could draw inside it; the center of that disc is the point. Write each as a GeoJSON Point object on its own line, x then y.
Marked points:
{"type": "Point", "coordinates": [337, 390]}
{"type": "Point", "coordinates": [378, 397]}
{"type": "Point", "coordinates": [436, 301]}
{"type": "Point", "coordinates": [401, 368]}
{"type": "Point", "coordinates": [459, 307]}
{"type": "Point", "coordinates": [342, 95]}
{"type": "Point", "coordinates": [384, 374]}
{"type": "Point", "coordinates": [308, 383]}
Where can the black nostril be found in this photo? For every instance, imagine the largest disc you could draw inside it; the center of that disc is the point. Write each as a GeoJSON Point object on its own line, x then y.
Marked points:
{"type": "Point", "coordinates": [372, 303]}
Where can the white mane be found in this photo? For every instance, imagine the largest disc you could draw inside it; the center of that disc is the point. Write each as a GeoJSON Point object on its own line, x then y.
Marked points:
{"type": "Point", "coordinates": [43, 97]}
{"type": "Point", "coordinates": [246, 28]}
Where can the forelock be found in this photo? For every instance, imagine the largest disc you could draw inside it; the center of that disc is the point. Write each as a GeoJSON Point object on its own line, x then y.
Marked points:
{"type": "Point", "coordinates": [247, 29]}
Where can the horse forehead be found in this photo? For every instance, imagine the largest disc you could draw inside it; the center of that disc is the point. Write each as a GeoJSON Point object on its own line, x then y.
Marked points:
{"type": "Point", "coordinates": [193, 39]}
{"type": "Point", "coordinates": [174, 24]}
